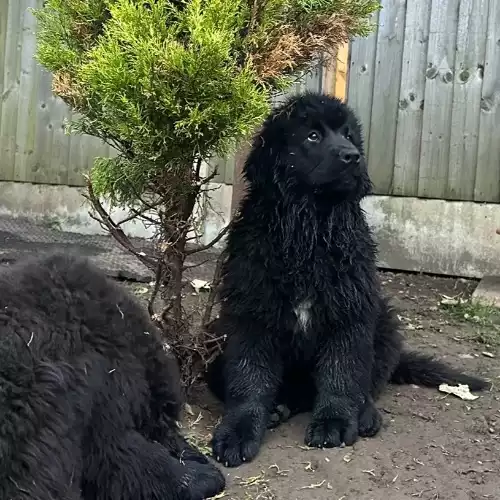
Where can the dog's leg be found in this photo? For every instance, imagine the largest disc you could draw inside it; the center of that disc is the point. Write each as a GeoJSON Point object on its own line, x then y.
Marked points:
{"type": "Point", "coordinates": [252, 375]}
{"type": "Point", "coordinates": [49, 425]}
{"type": "Point", "coordinates": [343, 382]}
{"type": "Point", "coordinates": [125, 466]}
{"type": "Point", "coordinates": [162, 376]}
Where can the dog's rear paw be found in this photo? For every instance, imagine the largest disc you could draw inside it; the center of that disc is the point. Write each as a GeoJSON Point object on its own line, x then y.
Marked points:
{"type": "Point", "coordinates": [279, 415]}
{"type": "Point", "coordinates": [370, 421]}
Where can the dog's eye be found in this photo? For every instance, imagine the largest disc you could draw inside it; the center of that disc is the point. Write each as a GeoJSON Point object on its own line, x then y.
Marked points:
{"type": "Point", "coordinates": [313, 136]}
{"type": "Point", "coordinates": [348, 136]}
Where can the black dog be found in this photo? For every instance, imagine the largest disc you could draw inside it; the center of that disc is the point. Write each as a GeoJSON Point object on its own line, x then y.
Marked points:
{"type": "Point", "coordinates": [301, 304]}
{"type": "Point", "coordinates": [89, 398]}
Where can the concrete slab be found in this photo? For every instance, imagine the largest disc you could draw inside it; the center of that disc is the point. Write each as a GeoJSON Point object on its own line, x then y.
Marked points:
{"type": "Point", "coordinates": [488, 291]}
{"type": "Point", "coordinates": [21, 237]}
{"type": "Point", "coordinates": [453, 238]}
{"type": "Point", "coordinates": [66, 208]}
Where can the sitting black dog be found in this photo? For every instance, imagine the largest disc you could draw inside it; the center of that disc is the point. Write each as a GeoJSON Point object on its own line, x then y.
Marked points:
{"type": "Point", "coordinates": [89, 397]}
{"type": "Point", "coordinates": [307, 326]}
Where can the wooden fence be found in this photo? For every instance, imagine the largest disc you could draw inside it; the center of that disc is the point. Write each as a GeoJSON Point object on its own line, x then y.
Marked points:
{"type": "Point", "coordinates": [33, 144]}
{"type": "Point", "coordinates": [427, 87]}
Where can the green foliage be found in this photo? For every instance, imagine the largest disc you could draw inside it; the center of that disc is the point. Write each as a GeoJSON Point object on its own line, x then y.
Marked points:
{"type": "Point", "coordinates": [300, 13]}
{"type": "Point", "coordinates": [484, 316]}
{"type": "Point", "coordinates": [167, 82]}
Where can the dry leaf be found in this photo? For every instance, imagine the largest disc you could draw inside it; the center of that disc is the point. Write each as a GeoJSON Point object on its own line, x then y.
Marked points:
{"type": "Point", "coordinates": [200, 285]}
{"type": "Point", "coordinates": [449, 301]}
{"type": "Point", "coordinates": [461, 390]}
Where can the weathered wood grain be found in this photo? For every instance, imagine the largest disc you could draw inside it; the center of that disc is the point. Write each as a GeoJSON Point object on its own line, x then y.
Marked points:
{"type": "Point", "coordinates": [386, 83]}
{"type": "Point", "coordinates": [411, 99]}
{"type": "Point", "coordinates": [467, 87]}
{"type": "Point", "coordinates": [361, 77]}
{"type": "Point", "coordinates": [10, 93]}
{"type": "Point", "coordinates": [487, 184]}
{"type": "Point", "coordinates": [425, 83]}
{"type": "Point", "coordinates": [28, 77]}
{"type": "Point", "coordinates": [436, 130]}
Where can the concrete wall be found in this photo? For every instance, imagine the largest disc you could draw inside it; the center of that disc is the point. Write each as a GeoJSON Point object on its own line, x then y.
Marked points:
{"type": "Point", "coordinates": [65, 208]}
{"type": "Point", "coordinates": [435, 236]}
{"type": "Point", "coordinates": [445, 237]}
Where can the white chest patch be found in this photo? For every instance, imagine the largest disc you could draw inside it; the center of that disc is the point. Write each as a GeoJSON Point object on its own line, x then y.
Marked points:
{"type": "Point", "coordinates": [303, 313]}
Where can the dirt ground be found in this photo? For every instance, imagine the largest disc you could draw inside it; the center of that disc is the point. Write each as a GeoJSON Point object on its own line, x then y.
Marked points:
{"type": "Point", "coordinates": [433, 446]}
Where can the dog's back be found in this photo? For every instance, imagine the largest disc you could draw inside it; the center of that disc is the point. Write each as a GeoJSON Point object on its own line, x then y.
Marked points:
{"type": "Point", "coordinates": [61, 305]}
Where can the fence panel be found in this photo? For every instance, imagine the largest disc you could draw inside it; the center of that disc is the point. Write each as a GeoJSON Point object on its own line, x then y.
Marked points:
{"type": "Point", "coordinates": [426, 86]}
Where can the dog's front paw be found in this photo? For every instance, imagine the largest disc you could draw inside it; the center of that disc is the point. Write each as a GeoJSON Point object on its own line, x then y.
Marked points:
{"type": "Point", "coordinates": [201, 481]}
{"type": "Point", "coordinates": [334, 424]}
{"type": "Point", "coordinates": [238, 437]}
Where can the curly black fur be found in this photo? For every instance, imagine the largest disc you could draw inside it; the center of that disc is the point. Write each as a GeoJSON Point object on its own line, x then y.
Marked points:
{"type": "Point", "coordinates": [89, 398]}
{"type": "Point", "coordinates": [301, 303]}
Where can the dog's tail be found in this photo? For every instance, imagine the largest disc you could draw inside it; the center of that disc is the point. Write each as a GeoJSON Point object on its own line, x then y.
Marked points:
{"type": "Point", "coordinates": [419, 369]}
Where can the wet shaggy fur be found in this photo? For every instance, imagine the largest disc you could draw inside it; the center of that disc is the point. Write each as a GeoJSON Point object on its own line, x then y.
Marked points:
{"type": "Point", "coordinates": [307, 326]}
{"type": "Point", "coordinates": [89, 397]}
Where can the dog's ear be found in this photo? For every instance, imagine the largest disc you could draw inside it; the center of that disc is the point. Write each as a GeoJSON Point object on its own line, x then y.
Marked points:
{"type": "Point", "coordinates": [257, 163]}
{"type": "Point", "coordinates": [251, 172]}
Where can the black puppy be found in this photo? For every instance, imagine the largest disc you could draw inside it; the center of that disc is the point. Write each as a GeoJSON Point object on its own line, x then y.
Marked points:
{"type": "Point", "coordinates": [301, 304]}
{"type": "Point", "coordinates": [89, 397]}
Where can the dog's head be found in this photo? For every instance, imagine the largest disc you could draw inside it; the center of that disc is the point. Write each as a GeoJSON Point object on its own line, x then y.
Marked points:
{"type": "Point", "coordinates": [311, 143]}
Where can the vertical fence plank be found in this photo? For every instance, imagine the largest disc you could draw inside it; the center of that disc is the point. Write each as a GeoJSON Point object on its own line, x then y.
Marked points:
{"type": "Point", "coordinates": [10, 94]}
{"type": "Point", "coordinates": [79, 145]}
{"type": "Point", "coordinates": [314, 79]}
{"type": "Point", "coordinates": [341, 70]}
{"type": "Point", "coordinates": [329, 75]}
{"type": "Point", "coordinates": [487, 185]}
{"type": "Point", "coordinates": [4, 16]}
{"type": "Point", "coordinates": [411, 99]}
{"type": "Point", "coordinates": [435, 149]}
{"type": "Point", "coordinates": [381, 145]}
{"type": "Point", "coordinates": [361, 76]}
{"type": "Point", "coordinates": [25, 156]}
{"type": "Point", "coordinates": [84, 149]}
{"type": "Point", "coordinates": [43, 138]}
{"type": "Point", "coordinates": [468, 82]}
{"type": "Point", "coordinates": [58, 171]}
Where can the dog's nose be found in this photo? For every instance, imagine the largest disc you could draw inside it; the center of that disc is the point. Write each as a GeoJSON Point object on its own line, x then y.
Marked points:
{"type": "Point", "coordinates": [349, 155]}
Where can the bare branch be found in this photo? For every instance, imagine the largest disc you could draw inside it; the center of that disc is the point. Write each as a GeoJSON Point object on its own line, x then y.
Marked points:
{"type": "Point", "coordinates": [208, 178]}
{"type": "Point", "coordinates": [194, 266]}
{"type": "Point", "coordinates": [212, 295]}
{"type": "Point", "coordinates": [221, 234]}
{"type": "Point", "coordinates": [115, 230]}
{"type": "Point", "coordinates": [158, 281]}
{"type": "Point", "coordinates": [198, 168]}
{"type": "Point", "coordinates": [140, 213]}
